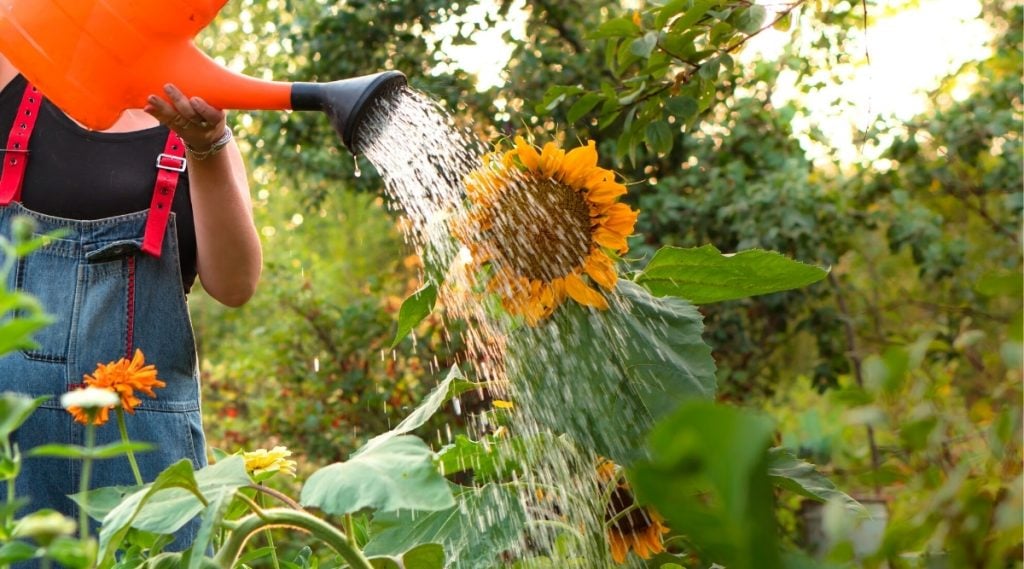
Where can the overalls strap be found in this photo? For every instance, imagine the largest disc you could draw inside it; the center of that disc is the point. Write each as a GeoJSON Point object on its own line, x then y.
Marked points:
{"type": "Point", "coordinates": [16, 153]}
{"type": "Point", "coordinates": [170, 164]}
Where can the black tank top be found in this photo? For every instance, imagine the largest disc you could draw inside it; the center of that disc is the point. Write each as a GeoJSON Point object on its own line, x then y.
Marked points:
{"type": "Point", "coordinates": [76, 173]}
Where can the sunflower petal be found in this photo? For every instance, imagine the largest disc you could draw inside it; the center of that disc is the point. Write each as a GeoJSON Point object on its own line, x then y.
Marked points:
{"type": "Point", "coordinates": [610, 239]}
{"type": "Point", "coordinates": [620, 218]}
{"type": "Point", "coordinates": [578, 164]}
{"type": "Point", "coordinates": [527, 154]}
{"type": "Point", "coordinates": [605, 192]}
{"type": "Point", "coordinates": [583, 294]}
{"type": "Point", "coordinates": [602, 269]}
{"type": "Point", "coordinates": [618, 546]}
{"type": "Point", "coordinates": [551, 158]}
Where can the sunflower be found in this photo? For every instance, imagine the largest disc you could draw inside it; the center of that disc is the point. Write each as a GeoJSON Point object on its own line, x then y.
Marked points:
{"type": "Point", "coordinates": [125, 377]}
{"type": "Point", "coordinates": [629, 525]}
{"type": "Point", "coordinates": [547, 222]}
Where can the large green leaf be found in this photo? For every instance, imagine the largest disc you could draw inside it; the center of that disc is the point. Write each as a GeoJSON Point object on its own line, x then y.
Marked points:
{"type": "Point", "coordinates": [605, 377]}
{"type": "Point", "coordinates": [452, 386]}
{"type": "Point", "coordinates": [172, 500]}
{"type": "Point", "coordinates": [787, 471]}
{"type": "Point", "coordinates": [484, 523]}
{"type": "Point", "coordinates": [704, 275]}
{"type": "Point", "coordinates": [708, 476]}
{"type": "Point", "coordinates": [396, 474]}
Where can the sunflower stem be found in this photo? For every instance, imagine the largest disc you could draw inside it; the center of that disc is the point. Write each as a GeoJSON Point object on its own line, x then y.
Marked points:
{"type": "Point", "coordinates": [123, 427]}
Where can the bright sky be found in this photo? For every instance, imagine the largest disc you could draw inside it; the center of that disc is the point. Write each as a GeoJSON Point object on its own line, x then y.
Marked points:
{"type": "Point", "coordinates": [910, 51]}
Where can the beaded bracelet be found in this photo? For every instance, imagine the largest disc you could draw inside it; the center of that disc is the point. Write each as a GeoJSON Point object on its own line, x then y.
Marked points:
{"type": "Point", "coordinates": [214, 148]}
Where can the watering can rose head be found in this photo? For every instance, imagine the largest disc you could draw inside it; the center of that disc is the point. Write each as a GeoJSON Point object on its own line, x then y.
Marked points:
{"type": "Point", "coordinates": [548, 222]}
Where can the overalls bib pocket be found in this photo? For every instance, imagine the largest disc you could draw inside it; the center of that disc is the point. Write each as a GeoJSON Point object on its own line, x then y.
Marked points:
{"type": "Point", "coordinates": [44, 274]}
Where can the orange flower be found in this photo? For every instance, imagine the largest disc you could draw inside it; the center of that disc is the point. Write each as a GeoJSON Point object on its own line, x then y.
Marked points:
{"type": "Point", "coordinates": [125, 377]}
{"type": "Point", "coordinates": [89, 403]}
{"type": "Point", "coordinates": [629, 525]}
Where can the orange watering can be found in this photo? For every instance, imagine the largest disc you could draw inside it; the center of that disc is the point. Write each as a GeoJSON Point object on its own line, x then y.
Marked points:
{"type": "Point", "coordinates": [95, 58]}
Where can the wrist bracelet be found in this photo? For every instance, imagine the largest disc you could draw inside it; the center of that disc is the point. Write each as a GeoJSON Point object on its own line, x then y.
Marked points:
{"type": "Point", "coordinates": [214, 148]}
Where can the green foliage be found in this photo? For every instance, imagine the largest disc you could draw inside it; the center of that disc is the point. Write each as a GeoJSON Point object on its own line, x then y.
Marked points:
{"type": "Point", "coordinates": [708, 475]}
{"type": "Point", "coordinates": [473, 541]}
{"type": "Point", "coordinates": [640, 360]}
{"type": "Point", "coordinates": [662, 70]}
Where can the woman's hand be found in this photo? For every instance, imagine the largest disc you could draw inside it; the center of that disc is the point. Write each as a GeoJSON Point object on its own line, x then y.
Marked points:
{"type": "Point", "coordinates": [228, 253]}
{"type": "Point", "coordinates": [195, 121]}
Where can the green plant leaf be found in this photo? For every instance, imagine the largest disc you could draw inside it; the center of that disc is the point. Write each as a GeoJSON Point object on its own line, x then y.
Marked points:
{"type": "Point", "coordinates": [704, 275]}
{"type": "Point", "coordinates": [15, 551]}
{"type": "Point", "coordinates": [100, 501]}
{"type": "Point", "coordinates": [644, 45]}
{"type": "Point", "coordinates": [70, 553]}
{"type": "Point", "coordinates": [604, 377]}
{"type": "Point", "coordinates": [469, 531]}
{"type": "Point", "coordinates": [659, 137]}
{"type": "Point", "coordinates": [415, 308]}
{"type": "Point", "coordinates": [494, 458]}
{"type": "Point", "coordinates": [584, 105]}
{"type": "Point", "coordinates": [15, 409]}
{"type": "Point", "coordinates": [682, 107]}
{"type": "Point", "coordinates": [112, 450]}
{"type": "Point", "coordinates": [750, 20]}
{"type": "Point", "coordinates": [787, 471]}
{"type": "Point", "coordinates": [171, 500]}
{"type": "Point", "coordinates": [452, 386]}
{"type": "Point", "coordinates": [708, 476]}
{"type": "Point", "coordinates": [693, 15]}
{"type": "Point", "coordinates": [384, 563]}
{"type": "Point", "coordinates": [396, 474]}
{"type": "Point", "coordinates": [426, 556]}
{"type": "Point", "coordinates": [615, 28]}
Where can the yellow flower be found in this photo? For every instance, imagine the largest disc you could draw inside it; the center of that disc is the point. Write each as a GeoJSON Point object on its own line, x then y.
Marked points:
{"type": "Point", "coordinates": [502, 404]}
{"type": "Point", "coordinates": [629, 525]}
{"type": "Point", "coordinates": [124, 378]}
{"type": "Point", "coordinates": [263, 461]}
{"type": "Point", "coordinates": [546, 222]}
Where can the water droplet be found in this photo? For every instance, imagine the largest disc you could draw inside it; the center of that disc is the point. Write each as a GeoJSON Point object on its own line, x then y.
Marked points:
{"type": "Point", "coordinates": [355, 159]}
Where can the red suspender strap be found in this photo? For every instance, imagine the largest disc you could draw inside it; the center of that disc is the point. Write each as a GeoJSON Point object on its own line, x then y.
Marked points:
{"type": "Point", "coordinates": [16, 153]}
{"type": "Point", "coordinates": [170, 164]}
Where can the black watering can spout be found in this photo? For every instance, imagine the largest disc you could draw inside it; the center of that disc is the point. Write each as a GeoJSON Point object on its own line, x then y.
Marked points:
{"type": "Point", "coordinates": [347, 101]}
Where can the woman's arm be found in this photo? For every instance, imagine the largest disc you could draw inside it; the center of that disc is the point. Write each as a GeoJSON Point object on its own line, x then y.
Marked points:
{"type": "Point", "coordinates": [229, 257]}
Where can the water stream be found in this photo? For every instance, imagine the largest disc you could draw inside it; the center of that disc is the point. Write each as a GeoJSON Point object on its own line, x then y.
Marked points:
{"type": "Point", "coordinates": [424, 160]}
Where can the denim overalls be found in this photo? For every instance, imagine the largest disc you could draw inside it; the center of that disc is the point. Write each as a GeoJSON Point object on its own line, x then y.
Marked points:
{"type": "Point", "coordinates": [112, 285]}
